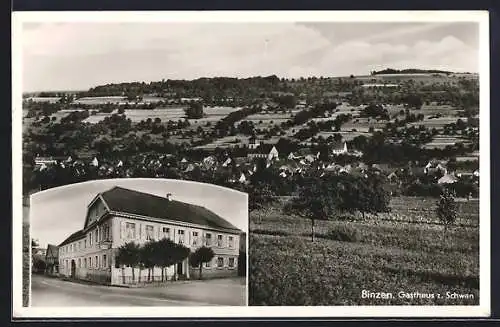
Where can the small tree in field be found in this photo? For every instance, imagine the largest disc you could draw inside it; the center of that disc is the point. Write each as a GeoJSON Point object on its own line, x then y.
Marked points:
{"type": "Point", "coordinates": [200, 256]}
{"type": "Point", "coordinates": [447, 209]}
{"type": "Point", "coordinates": [317, 200]}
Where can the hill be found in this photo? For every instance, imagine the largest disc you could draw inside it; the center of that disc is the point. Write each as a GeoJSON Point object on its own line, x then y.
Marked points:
{"type": "Point", "coordinates": [409, 71]}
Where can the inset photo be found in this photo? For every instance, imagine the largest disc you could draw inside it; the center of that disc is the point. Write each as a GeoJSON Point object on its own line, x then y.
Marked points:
{"type": "Point", "coordinates": [138, 242]}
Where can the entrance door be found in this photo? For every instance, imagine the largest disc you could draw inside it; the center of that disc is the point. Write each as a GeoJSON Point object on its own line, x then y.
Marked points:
{"type": "Point", "coordinates": [179, 269]}
{"type": "Point", "coordinates": [73, 268]}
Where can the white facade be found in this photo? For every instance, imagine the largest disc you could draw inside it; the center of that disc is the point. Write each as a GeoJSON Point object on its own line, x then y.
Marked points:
{"type": "Point", "coordinates": [91, 255]}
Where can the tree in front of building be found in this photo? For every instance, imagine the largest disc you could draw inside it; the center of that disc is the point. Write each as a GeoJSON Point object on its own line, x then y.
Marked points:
{"type": "Point", "coordinates": [164, 254]}
{"type": "Point", "coordinates": [200, 256]}
{"type": "Point", "coordinates": [148, 257]}
{"type": "Point", "coordinates": [128, 255]}
{"type": "Point", "coordinates": [447, 209]}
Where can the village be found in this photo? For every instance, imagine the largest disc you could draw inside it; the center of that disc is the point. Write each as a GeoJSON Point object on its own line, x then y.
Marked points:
{"type": "Point", "coordinates": [344, 160]}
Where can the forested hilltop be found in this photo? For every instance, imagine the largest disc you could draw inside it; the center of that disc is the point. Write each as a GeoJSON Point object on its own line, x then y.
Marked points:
{"type": "Point", "coordinates": [410, 71]}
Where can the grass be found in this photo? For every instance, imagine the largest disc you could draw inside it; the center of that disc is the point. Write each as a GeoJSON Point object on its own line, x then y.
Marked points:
{"type": "Point", "coordinates": [26, 265]}
{"type": "Point", "coordinates": [286, 268]}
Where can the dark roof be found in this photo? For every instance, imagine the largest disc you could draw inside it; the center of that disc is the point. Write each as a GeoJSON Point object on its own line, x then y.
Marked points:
{"type": "Point", "coordinates": [128, 201]}
{"type": "Point", "coordinates": [73, 237]}
{"type": "Point", "coordinates": [52, 250]}
{"type": "Point", "coordinates": [338, 145]}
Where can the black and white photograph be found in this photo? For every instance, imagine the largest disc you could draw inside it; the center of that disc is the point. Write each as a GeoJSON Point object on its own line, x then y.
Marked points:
{"type": "Point", "coordinates": [128, 242]}
{"type": "Point", "coordinates": [328, 161]}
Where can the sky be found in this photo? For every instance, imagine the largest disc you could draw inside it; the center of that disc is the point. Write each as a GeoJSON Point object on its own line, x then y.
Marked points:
{"type": "Point", "coordinates": [80, 55]}
{"type": "Point", "coordinates": [57, 213]}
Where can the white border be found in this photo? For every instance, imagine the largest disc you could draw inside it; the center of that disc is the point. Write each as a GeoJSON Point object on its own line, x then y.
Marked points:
{"type": "Point", "coordinates": [481, 17]}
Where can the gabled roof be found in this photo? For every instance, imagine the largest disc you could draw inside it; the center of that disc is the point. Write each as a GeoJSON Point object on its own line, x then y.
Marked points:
{"type": "Point", "coordinates": [52, 250]}
{"type": "Point", "coordinates": [73, 237]}
{"type": "Point", "coordinates": [133, 202]}
{"type": "Point", "coordinates": [338, 145]}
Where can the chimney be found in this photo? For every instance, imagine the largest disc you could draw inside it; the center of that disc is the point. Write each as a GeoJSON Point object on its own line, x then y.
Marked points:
{"type": "Point", "coordinates": [169, 196]}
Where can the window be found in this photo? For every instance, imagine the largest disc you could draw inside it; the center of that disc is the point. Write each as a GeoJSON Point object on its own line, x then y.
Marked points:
{"type": "Point", "coordinates": [90, 239]}
{"type": "Point", "coordinates": [104, 262]}
{"type": "Point", "coordinates": [85, 243]}
{"type": "Point", "coordinates": [90, 262]}
{"type": "Point", "coordinates": [219, 241]}
{"type": "Point", "coordinates": [230, 241]}
{"type": "Point", "coordinates": [166, 232]}
{"type": "Point", "coordinates": [208, 239]}
{"type": "Point", "coordinates": [79, 263]}
{"type": "Point", "coordinates": [220, 262]}
{"type": "Point", "coordinates": [149, 233]}
{"type": "Point", "coordinates": [130, 230]}
{"type": "Point", "coordinates": [231, 262]}
{"type": "Point", "coordinates": [96, 262]}
{"type": "Point", "coordinates": [97, 235]}
{"type": "Point", "coordinates": [181, 236]}
{"type": "Point", "coordinates": [85, 262]}
{"type": "Point", "coordinates": [195, 239]}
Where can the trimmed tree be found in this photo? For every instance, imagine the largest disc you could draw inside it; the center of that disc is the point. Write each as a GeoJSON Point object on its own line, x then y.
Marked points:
{"type": "Point", "coordinates": [200, 256]}
{"type": "Point", "coordinates": [179, 253]}
{"type": "Point", "coordinates": [164, 254]}
{"type": "Point", "coordinates": [128, 255]}
{"type": "Point", "coordinates": [149, 253]}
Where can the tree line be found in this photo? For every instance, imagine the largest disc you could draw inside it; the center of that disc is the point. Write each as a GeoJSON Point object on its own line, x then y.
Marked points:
{"type": "Point", "coordinates": [162, 253]}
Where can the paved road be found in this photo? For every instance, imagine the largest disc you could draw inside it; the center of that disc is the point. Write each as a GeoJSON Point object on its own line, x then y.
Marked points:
{"type": "Point", "coordinates": [47, 292]}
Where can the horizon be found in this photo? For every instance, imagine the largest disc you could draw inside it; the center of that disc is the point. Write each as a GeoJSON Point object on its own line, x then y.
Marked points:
{"type": "Point", "coordinates": [241, 77]}
{"type": "Point", "coordinates": [78, 56]}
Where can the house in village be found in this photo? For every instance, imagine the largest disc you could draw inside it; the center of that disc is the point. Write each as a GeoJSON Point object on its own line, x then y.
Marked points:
{"type": "Point", "coordinates": [264, 151]}
{"type": "Point", "coordinates": [52, 259]}
{"type": "Point", "coordinates": [47, 161]}
{"type": "Point", "coordinates": [447, 179]}
{"type": "Point", "coordinates": [339, 148]}
{"type": "Point", "coordinates": [253, 143]}
{"type": "Point", "coordinates": [435, 166]}
{"type": "Point", "coordinates": [119, 215]}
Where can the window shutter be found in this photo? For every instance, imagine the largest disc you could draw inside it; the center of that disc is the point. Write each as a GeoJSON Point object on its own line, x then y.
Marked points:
{"type": "Point", "coordinates": [122, 230]}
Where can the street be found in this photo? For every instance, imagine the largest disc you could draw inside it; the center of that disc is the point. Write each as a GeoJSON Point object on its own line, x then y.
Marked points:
{"type": "Point", "coordinates": [46, 291]}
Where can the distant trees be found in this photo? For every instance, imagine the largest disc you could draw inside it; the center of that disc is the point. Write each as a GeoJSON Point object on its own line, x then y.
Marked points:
{"type": "Point", "coordinates": [375, 111]}
{"type": "Point", "coordinates": [288, 101]}
{"type": "Point", "coordinates": [200, 256]}
{"type": "Point", "coordinates": [194, 110]}
{"type": "Point", "coordinates": [320, 198]}
{"type": "Point", "coordinates": [414, 101]}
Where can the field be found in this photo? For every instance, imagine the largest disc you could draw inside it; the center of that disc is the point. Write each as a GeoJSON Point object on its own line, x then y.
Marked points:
{"type": "Point", "coordinates": [44, 99]}
{"type": "Point", "coordinates": [212, 115]}
{"type": "Point", "coordinates": [392, 253]}
{"type": "Point", "coordinates": [26, 264]}
{"type": "Point", "coordinates": [99, 100]}
{"type": "Point", "coordinates": [136, 115]}
{"type": "Point", "coordinates": [346, 135]}
{"type": "Point", "coordinates": [442, 141]}
{"type": "Point", "coordinates": [94, 119]}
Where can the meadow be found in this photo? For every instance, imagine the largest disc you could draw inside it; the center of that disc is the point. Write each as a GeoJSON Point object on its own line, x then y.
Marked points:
{"type": "Point", "coordinates": [404, 251]}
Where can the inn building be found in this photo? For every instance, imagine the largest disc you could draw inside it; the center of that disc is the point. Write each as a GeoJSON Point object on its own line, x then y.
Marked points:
{"type": "Point", "coordinates": [121, 215]}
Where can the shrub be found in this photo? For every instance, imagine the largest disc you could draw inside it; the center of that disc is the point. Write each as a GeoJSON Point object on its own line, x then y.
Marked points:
{"type": "Point", "coordinates": [344, 233]}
